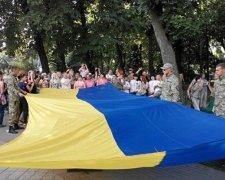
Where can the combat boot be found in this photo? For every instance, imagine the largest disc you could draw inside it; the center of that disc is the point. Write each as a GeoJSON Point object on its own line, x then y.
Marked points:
{"type": "Point", "coordinates": [16, 126]}
{"type": "Point", "coordinates": [12, 130]}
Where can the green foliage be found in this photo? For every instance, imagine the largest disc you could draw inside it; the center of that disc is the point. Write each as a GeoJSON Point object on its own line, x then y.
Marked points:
{"type": "Point", "coordinates": [22, 62]}
{"type": "Point", "coordinates": [135, 59]}
{"type": "Point", "coordinates": [4, 61]}
{"type": "Point", "coordinates": [88, 30]}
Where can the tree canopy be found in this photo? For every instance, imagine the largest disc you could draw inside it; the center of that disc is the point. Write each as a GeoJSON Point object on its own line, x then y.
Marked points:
{"type": "Point", "coordinates": [114, 34]}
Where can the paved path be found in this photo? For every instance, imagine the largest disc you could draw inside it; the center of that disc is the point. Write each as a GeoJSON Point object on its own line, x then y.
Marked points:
{"type": "Point", "coordinates": [187, 172]}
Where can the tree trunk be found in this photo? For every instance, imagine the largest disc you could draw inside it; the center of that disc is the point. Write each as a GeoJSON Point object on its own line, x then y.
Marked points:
{"type": "Point", "coordinates": [151, 49]}
{"type": "Point", "coordinates": [201, 51]}
{"type": "Point", "coordinates": [179, 59]}
{"type": "Point", "coordinates": [41, 52]}
{"type": "Point", "coordinates": [84, 32]}
{"type": "Point", "coordinates": [61, 63]}
{"type": "Point", "coordinates": [179, 55]}
{"type": "Point", "coordinates": [167, 52]}
{"type": "Point", "coordinates": [38, 40]}
{"type": "Point", "coordinates": [207, 53]}
{"type": "Point", "coordinates": [119, 52]}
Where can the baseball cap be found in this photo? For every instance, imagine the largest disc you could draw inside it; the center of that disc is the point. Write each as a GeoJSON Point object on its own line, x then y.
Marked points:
{"type": "Point", "coordinates": [167, 66]}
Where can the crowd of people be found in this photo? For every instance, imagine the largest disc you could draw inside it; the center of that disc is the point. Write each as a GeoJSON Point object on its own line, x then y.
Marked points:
{"type": "Point", "coordinates": [16, 85]}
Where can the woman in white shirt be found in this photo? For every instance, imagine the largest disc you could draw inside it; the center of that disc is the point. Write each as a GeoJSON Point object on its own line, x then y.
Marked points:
{"type": "Point", "coordinates": [126, 86]}
{"type": "Point", "coordinates": [65, 81]}
{"type": "Point", "coordinates": [143, 86]}
{"type": "Point", "coordinates": [83, 70]}
{"type": "Point", "coordinates": [54, 82]}
{"type": "Point", "coordinates": [134, 85]}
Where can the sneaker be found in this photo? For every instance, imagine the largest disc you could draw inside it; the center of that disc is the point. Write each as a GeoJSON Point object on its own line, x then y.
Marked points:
{"type": "Point", "coordinates": [1, 125]}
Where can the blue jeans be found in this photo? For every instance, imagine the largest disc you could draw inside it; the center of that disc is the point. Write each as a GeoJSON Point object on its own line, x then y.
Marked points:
{"type": "Point", "coordinates": [1, 113]}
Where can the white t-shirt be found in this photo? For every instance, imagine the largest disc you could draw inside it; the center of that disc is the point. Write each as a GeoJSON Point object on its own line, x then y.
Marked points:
{"type": "Point", "coordinates": [157, 87]}
{"type": "Point", "coordinates": [110, 76]}
{"type": "Point", "coordinates": [134, 85]}
{"type": "Point", "coordinates": [126, 87]}
{"type": "Point", "coordinates": [152, 86]}
{"type": "Point", "coordinates": [65, 83]}
{"type": "Point", "coordinates": [84, 72]}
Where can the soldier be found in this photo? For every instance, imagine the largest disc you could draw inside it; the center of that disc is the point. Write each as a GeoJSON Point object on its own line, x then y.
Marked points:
{"type": "Point", "coordinates": [219, 104]}
{"type": "Point", "coordinates": [14, 93]}
{"type": "Point", "coordinates": [194, 91]}
{"type": "Point", "coordinates": [170, 84]}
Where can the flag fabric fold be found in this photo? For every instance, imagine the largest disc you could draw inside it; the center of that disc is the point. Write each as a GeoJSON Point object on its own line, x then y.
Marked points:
{"type": "Point", "coordinates": [104, 128]}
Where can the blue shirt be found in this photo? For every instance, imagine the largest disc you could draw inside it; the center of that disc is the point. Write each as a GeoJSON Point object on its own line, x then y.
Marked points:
{"type": "Point", "coordinates": [22, 86]}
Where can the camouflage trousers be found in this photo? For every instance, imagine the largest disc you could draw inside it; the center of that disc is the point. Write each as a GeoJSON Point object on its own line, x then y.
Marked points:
{"type": "Point", "coordinates": [203, 100]}
{"type": "Point", "coordinates": [219, 112]}
{"type": "Point", "coordinates": [13, 112]}
{"type": "Point", "coordinates": [195, 103]}
{"type": "Point", "coordinates": [219, 108]}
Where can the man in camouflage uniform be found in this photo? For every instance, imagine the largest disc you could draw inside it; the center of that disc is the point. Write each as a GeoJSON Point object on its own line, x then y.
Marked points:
{"type": "Point", "coordinates": [219, 104]}
{"type": "Point", "coordinates": [14, 93]}
{"type": "Point", "coordinates": [170, 84]}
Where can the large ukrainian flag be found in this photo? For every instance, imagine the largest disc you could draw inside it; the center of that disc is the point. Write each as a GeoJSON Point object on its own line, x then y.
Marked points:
{"type": "Point", "coordinates": [104, 128]}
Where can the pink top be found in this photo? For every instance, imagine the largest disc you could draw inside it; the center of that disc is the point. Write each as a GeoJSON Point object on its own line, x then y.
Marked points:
{"type": "Point", "coordinates": [101, 81]}
{"type": "Point", "coordinates": [89, 83]}
{"type": "Point", "coordinates": [79, 85]}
